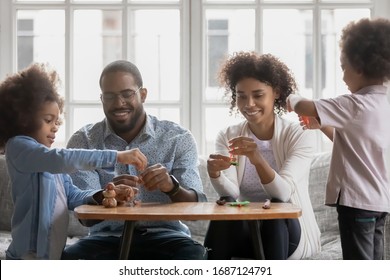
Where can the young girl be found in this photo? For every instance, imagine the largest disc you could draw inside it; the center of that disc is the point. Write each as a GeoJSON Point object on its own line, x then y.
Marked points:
{"type": "Point", "coordinates": [273, 155]}
{"type": "Point", "coordinates": [30, 109]}
{"type": "Point", "coordinates": [357, 123]}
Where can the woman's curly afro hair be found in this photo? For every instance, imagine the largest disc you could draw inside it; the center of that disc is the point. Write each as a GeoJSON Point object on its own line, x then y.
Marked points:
{"type": "Point", "coordinates": [265, 68]}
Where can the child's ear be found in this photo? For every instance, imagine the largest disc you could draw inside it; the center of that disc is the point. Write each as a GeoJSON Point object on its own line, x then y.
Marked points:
{"type": "Point", "coordinates": [359, 72]}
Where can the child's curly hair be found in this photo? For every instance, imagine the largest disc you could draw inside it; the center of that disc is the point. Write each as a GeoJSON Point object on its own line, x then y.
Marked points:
{"type": "Point", "coordinates": [265, 68]}
{"type": "Point", "coordinates": [22, 96]}
{"type": "Point", "coordinates": [366, 45]}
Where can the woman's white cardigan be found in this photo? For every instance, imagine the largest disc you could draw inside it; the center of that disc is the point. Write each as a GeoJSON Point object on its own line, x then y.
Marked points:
{"type": "Point", "coordinates": [293, 149]}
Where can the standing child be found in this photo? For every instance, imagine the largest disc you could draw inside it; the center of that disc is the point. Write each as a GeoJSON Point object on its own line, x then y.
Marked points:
{"type": "Point", "coordinates": [30, 109]}
{"type": "Point", "coordinates": [357, 124]}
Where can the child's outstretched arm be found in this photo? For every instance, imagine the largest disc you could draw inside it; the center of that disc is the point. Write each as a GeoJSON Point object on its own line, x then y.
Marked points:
{"type": "Point", "coordinates": [301, 106]}
{"type": "Point", "coordinates": [305, 107]}
{"type": "Point", "coordinates": [134, 157]}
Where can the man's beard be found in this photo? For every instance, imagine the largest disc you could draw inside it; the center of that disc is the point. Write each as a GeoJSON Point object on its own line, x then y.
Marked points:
{"type": "Point", "coordinates": [125, 127]}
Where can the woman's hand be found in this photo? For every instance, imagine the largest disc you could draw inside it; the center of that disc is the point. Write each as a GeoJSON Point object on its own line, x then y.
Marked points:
{"type": "Point", "coordinates": [216, 163]}
{"type": "Point", "coordinates": [245, 146]}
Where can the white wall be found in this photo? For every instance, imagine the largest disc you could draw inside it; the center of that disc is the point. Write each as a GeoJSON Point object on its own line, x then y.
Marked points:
{"type": "Point", "coordinates": [382, 9]}
{"type": "Point", "coordinates": [5, 38]}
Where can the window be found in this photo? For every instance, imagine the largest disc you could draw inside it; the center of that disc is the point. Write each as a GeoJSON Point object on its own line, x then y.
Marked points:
{"type": "Point", "coordinates": [178, 46]}
{"type": "Point", "coordinates": [304, 34]}
{"type": "Point", "coordinates": [25, 37]}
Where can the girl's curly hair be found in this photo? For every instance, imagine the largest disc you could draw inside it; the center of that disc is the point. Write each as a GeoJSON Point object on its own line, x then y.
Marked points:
{"type": "Point", "coordinates": [22, 96]}
{"type": "Point", "coordinates": [265, 68]}
{"type": "Point", "coordinates": [366, 45]}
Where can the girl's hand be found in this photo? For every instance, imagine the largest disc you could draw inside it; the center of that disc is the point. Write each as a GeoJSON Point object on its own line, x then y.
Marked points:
{"type": "Point", "coordinates": [134, 157]}
{"type": "Point", "coordinates": [216, 163]}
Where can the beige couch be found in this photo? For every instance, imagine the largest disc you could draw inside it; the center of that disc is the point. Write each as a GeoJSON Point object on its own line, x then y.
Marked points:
{"type": "Point", "coordinates": [326, 216]}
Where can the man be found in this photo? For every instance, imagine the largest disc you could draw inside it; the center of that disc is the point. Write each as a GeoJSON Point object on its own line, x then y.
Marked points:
{"type": "Point", "coordinates": [172, 173]}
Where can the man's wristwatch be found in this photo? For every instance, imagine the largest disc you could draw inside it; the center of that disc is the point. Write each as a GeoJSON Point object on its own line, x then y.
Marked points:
{"type": "Point", "coordinates": [176, 187]}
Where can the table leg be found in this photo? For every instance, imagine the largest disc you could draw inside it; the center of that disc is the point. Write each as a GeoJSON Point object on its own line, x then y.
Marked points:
{"type": "Point", "coordinates": [127, 236]}
{"type": "Point", "coordinates": [254, 226]}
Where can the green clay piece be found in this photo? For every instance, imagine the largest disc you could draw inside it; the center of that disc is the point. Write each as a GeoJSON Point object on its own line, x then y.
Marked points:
{"type": "Point", "coordinates": [235, 163]}
{"type": "Point", "coordinates": [239, 203]}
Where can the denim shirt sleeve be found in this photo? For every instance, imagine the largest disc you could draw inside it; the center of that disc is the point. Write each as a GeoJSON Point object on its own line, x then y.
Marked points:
{"type": "Point", "coordinates": [30, 156]}
{"type": "Point", "coordinates": [84, 179]}
{"type": "Point", "coordinates": [76, 196]}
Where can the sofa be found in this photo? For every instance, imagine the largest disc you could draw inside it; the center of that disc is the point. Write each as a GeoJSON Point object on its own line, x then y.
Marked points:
{"type": "Point", "coordinates": [326, 216]}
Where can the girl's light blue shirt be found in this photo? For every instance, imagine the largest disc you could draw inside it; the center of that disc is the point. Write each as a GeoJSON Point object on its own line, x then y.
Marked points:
{"type": "Point", "coordinates": [32, 168]}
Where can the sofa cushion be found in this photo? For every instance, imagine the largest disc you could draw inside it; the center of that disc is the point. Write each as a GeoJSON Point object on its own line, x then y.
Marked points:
{"type": "Point", "coordinates": [6, 205]}
{"type": "Point", "coordinates": [317, 187]}
{"type": "Point", "coordinates": [326, 216]}
{"type": "Point", "coordinates": [75, 228]}
{"type": "Point", "coordinates": [198, 228]}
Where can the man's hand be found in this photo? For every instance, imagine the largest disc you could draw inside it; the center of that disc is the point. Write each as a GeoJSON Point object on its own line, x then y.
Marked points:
{"type": "Point", "coordinates": [125, 193]}
{"type": "Point", "coordinates": [156, 177]}
{"type": "Point", "coordinates": [126, 179]}
{"type": "Point", "coordinates": [126, 187]}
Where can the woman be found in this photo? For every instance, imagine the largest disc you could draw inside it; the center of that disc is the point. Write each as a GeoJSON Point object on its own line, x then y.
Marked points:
{"type": "Point", "coordinates": [273, 161]}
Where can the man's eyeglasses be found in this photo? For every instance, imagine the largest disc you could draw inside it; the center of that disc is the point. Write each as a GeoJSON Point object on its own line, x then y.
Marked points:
{"type": "Point", "coordinates": [127, 95]}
